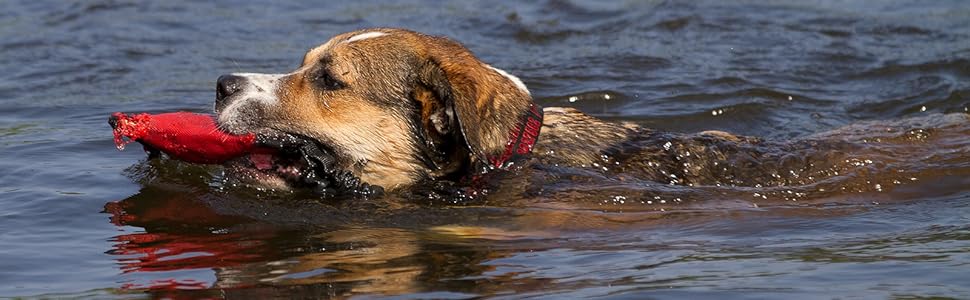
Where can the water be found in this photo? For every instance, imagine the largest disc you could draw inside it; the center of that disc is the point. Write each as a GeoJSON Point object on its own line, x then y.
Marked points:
{"type": "Point", "coordinates": [80, 219]}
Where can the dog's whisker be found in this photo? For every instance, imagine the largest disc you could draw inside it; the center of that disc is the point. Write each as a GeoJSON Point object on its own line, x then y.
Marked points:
{"type": "Point", "coordinates": [236, 64]}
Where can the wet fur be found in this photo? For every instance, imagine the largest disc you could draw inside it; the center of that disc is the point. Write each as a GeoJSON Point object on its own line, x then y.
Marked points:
{"type": "Point", "coordinates": [413, 107]}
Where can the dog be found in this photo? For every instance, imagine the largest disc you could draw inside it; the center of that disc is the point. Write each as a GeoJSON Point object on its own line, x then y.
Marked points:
{"type": "Point", "coordinates": [398, 108]}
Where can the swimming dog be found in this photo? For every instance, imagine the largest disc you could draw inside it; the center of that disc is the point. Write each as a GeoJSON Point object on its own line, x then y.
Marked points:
{"type": "Point", "coordinates": [396, 108]}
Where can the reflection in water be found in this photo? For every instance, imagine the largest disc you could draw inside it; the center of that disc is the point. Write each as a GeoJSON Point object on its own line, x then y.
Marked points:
{"type": "Point", "coordinates": [235, 240]}
{"type": "Point", "coordinates": [182, 232]}
{"type": "Point", "coordinates": [776, 69]}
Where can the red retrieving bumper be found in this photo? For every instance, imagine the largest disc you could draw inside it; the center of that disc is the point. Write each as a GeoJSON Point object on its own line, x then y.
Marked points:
{"type": "Point", "coordinates": [184, 136]}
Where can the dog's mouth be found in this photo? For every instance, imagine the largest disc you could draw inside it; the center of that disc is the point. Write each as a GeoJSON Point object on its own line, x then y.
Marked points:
{"type": "Point", "coordinates": [291, 161]}
{"type": "Point", "coordinates": [277, 162]}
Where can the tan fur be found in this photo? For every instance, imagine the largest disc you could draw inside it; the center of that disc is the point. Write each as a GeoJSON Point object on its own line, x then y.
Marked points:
{"type": "Point", "coordinates": [366, 131]}
{"type": "Point", "coordinates": [414, 106]}
{"type": "Point", "coordinates": [377, 138]}
{"type": "Point", "coordinates": [570, 137]}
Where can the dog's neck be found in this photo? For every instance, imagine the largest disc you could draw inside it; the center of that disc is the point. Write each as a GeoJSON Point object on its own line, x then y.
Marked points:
{"type": "Point", "coordinates": [522, 138]}
{"type": "Point", "coordinates": [587, 136]}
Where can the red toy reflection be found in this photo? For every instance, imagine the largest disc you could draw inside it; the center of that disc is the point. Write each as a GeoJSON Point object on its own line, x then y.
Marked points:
{"type": "Point", "coordinates": [181, 233]}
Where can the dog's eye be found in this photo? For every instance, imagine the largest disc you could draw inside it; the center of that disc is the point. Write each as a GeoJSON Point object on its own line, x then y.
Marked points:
{"type": "Point", "coordinates": [325, 81]}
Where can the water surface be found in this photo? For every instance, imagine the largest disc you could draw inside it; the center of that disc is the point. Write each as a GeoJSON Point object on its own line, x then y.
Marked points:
{"type": "Point", "coordinates": [81, 219]}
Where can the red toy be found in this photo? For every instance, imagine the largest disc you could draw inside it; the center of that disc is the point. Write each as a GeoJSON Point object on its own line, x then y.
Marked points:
{"type": "Point", "coordinates": [196, 138]}
{"type": "Point", "coordinates": [184, 136]}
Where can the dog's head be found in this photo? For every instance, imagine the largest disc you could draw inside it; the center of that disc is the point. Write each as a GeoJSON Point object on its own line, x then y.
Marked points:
{"type": "Point", "coordinates": [393, 106]}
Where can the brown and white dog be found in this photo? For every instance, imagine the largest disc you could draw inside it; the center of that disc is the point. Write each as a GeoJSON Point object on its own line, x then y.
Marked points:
{"type": "Point", "coordinates": [396, 107]}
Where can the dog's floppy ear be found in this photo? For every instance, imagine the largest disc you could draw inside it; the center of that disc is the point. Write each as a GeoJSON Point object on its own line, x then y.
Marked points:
{"type": "Point", "coordinates": [487, 104]}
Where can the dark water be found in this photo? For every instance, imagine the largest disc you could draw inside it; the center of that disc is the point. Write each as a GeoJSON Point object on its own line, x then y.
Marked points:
{"type": "Point", "coordinates": [80, 219]}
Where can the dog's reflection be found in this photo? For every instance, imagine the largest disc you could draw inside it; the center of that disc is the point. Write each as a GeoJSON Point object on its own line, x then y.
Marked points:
{"type": "Point", "coordinates": [183, 233]}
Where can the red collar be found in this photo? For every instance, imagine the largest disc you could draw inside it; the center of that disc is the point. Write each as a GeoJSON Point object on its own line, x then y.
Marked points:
{"type": "Point", "coordinates": [522, 138]}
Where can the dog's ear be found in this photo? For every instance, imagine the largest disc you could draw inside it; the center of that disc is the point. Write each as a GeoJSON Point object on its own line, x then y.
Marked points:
{"type": "Point", "coordinates": [485, 103]}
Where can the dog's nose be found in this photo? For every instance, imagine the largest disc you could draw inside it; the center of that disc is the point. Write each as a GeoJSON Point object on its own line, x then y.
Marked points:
{"type": "Point", "coordinates": [227, 85]}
